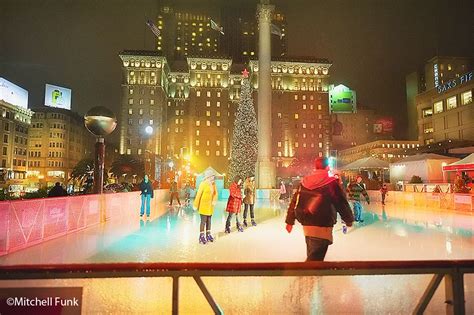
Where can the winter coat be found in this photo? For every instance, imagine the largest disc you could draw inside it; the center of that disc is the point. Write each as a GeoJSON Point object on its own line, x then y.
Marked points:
{"type": "Point", "coordinates": [317, 200]}
{"type": "Point", "coordinates": [146, 188]}
{"type": "Point", "coordinates": [354, 191]}
{"type": "Point", "coordinates": [383, 190]}
{"type": "Point", "coordinates": [174, 187]}
{"type": "Point", "coordinates": [206, 196]}
{"type": "Point", "coordinates": [282, 189]}
{"type": "Point", "coordinates": [235, 199]}
{"type": "Point", "coordinates": [249, 192]}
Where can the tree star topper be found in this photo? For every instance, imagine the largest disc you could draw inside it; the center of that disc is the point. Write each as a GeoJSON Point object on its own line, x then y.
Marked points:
{"type": "Point", "coordinates": [245, 73]}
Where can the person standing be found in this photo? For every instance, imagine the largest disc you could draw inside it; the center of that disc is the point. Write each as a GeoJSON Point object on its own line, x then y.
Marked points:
{"type": "Point", "coordinates": [146, 194]}
{"type": "Point", "coordinates": [249, 200]}
{"type": "Point", "coordinates": [234, 204]}
{"type": "Point", "coordinates": [313, 206]}
{"type": "Point", "coordinates": [354, 190]}
{"type": "Point", "coordinates": [282, 191]}
{"type": "Point", "coordinates": [384, 192]}
{"type": "Point", "coordinates": [174, 192]}
{"type": "Point", "coordinates": [206, 198]}
{"type": "Point", "coordinates": [57, 191]}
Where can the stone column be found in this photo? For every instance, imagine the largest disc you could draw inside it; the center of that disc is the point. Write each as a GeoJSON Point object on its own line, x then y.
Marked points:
{"type": "Point", "coordinates": [265, 166]}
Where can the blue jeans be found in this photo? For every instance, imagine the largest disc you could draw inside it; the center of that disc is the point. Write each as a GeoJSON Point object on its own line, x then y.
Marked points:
{"type": "Point", "coordinates": [316, 248]}
{"type": "Point", "coordinates": [357, 210]}
{"type": "Point", "coordinates": [145, 202]}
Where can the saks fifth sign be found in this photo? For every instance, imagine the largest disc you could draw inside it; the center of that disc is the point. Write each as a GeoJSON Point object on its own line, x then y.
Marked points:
{"type": "Point", "coordinates": [455, 82]}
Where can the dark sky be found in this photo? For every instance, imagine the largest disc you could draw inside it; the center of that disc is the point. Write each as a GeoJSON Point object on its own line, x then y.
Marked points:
{"type": "Point", "coordinates": [373, 44]}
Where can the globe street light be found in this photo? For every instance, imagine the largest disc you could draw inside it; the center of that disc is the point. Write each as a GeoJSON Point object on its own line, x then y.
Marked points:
{"type": "Point", "coordinates": [100, 121]}
{"type": "Point", "coordinates": [149, 130]}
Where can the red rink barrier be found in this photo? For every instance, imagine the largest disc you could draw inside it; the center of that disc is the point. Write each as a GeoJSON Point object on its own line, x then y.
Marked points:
{"type": "Point", "coordinates": [24, 223]}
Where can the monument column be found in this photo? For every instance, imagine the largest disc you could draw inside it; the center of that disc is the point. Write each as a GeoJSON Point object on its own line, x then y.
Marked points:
{"type": "Point", "coordinates": [265, 165]}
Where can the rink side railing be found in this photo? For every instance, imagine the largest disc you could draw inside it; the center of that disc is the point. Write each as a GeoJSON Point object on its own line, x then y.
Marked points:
{"type": "Point", "coordinates": [452, 272]}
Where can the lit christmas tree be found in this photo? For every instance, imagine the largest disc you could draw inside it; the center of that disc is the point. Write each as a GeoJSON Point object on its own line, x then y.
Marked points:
{"type": "Point", "coordinates": [243, 158]}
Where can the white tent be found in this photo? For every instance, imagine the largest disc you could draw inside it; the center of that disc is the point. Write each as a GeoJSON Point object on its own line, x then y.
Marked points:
{"type": "Point", "coordinates": [428, 166]}
{"type": "Point", "coordinates": [366, 163]}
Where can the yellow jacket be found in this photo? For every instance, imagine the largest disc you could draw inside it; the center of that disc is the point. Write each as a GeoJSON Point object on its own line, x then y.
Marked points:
{"type": "Point", "coordinates": [206, 196]}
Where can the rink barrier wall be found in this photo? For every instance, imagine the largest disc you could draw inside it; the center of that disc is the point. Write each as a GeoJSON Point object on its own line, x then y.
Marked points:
{"type": "Point", "coordinates": [452, 271]}
{"type": "Point", "coordinates": [431, 200]}
{"type": "Point", "coordinates": [25, 223]}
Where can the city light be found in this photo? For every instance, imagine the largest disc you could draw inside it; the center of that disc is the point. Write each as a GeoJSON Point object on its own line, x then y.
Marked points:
{"type": "Point", "coordinates": [149, 130]}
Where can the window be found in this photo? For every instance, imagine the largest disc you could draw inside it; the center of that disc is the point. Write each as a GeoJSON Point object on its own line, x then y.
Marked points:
{"type": "Point", "coordinates": [438, 107]}
{"type": "Point", "coordinates": [304, 97]}
{"type": "Point", "coordinates": [218, 95]}
{"type": "Point", "coordinates": [427, 112]}
{"type": "Point", "coordinates": [208, 123]}
{"type": "Point", "coordinates": [198, 123]}
{"type": "Point", "coordinates": [279, 115]}
{"type": "Point", "coordinates": [5, 138]}
{"type": "Point", "coordinates": [296, 97]}
{"type": "Point", "coordinates": [140, 101]}
{"type": "Point", "coordinates": [218, 114]}
{"type": "Point", "coordinates": [218, 153]}
{"type": "Point", "coordinates": [296, 116]}
{"type": "Point", "coordinates": [151, 122]}
{"type": "Point", "coordinates": [208, 103]}
{"type": "Point", "coordinates": [451, 103]}
{"type": "Point", "coordinates": [304, 126]}
{"type": "Point", "coordinates": [208, 93]}
{"type": "Point", "coordinates": [130, 101]}
{"type": "Point", "coordinates": [428, 128]}
{"type": "Point", "coordinates": [196, 152]}
{"type": "Point", "coordinates": [320, 107]}
{"type": "Point", "coordinates": [218, 123]}
{"type": "Point", "coordinates": [218, 143]}
{"type": "Point", "coordinates": [197, 142]}
{"type": "Point", "coordinates": [4, 150]}
{"type": "Point", "coordinates": [129, 151]}
{"type": "Point", "coordinates": [152, 92]}
{"type": "Point", "coordinates": [130, 111]}
{"type": "Point", "coordinates": [140, 121]}
{"type": "Point", "coordinates": [140, 111]}
{"type": "Point", "coordinates": [320, 145]}
{"type": "Point", "coordinates": [198, 93]}
{"type": "Point", "coordinates": [139, 151]}
{"type": "Point", "coordinates": [296, 145]}
{"type": "Point", "coordinates": [208, 153]}
{"type": "Point", "coordinates": [152, 102]}
{"type": "Point", "coordinates": [279, 144]}
{"type": "Point", "coordinates": [130, 91]}
{"type": "Point", "coordinates": [304, 106]}
{"type": "Point", "coordinates": [197, 132]}
{"type": "Point", "coordinates": [208, 113]}
{"type": "Point", "coordinates": [218, 103]}
{"type": "Point", "coordinates": [466, 97]}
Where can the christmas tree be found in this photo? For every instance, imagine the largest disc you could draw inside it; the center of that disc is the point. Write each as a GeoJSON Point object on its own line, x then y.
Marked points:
{"type": "Point", "coordinates": [243, 158]}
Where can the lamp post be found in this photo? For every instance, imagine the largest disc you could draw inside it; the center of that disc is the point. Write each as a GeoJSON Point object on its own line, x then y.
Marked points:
{"type": "Point", "coordinates": [148, 152]}
{"type": "Point", "coordinates": [100, 121]}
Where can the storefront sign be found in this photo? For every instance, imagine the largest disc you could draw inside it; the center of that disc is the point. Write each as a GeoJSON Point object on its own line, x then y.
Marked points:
{"type": "Point", "coordinates": [455, 82]}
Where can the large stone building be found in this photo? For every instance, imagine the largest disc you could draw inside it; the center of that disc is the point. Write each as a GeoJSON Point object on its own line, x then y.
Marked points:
{"type": "Point", "coordinates": [422, 88]}
{"type": "Point", "coordinates": [14, 128]}
{"type": "Point", "coordinates": [187, 32]}
{"type": "Point", "coordinates": [190, 106]}
{"type": "Point", "coordinates": [58, 140]}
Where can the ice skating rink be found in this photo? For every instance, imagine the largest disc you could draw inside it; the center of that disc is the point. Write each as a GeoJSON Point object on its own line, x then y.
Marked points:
{"type": "Point", "coordinates": [171, 235]}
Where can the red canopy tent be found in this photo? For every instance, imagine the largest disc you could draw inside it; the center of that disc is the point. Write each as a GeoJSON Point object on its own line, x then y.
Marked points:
{"type": "Point", "coordinates": [466, 164]}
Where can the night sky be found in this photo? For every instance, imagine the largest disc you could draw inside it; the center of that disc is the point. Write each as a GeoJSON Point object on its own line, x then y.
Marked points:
{"type": "Point", "coordinates": [373, 44]}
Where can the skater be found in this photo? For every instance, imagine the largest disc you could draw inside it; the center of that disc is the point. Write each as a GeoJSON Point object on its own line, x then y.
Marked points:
{"type": "Point", "coordinates": [204, 202]}
{"type": "Point", "coordinates": [174, 192]}
{"type": "Point", "coordinates": [234, 204]}
{"type": "Point", "coordinates": [249, 200]}
{"type": "Point", "coordinates": [384, 192]}
{"type": "Point", "coordinates": [146, 194]}
{"type": "Point", "coordinates": [57, 191]}
{"type": "Point", "coordinates": [313, 206]}
{"type": "Point", "coordinates": [354, 190]}
{"type": "Point", "coordinates": [282, 191]}
{"type": "Point", "coordinates": [187, 194]}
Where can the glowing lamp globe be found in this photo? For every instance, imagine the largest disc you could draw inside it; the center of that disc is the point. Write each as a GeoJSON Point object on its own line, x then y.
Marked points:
{"type": "Point", "coordinates": [149, 130]}
{"type": "Point", "coordinates": [100, 121]}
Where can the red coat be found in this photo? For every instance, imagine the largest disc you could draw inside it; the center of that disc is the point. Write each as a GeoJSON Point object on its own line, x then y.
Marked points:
{"type": "Point", "coordinates": [235, 199]}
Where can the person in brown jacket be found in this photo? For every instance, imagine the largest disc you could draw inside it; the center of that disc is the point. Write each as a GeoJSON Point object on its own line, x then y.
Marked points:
{"type": "Point", "coordinates": [249, 200]}
{"type": "Point", "coordinates": [314, 205]}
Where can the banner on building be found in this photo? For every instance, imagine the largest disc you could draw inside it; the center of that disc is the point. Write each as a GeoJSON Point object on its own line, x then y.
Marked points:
{"type": "Point", "coordinates": [342, 99]}
{"type": "Point", "coordinates": [13, 94]}
{"type": "Point", "coordinates": [57, 96]}
{"type": "Point", "coordinates": [383, 125]}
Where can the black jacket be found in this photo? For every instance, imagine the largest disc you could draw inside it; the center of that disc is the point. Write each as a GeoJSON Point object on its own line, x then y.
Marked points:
{"type": "Point", "coordinates": [146, 188]}
{"type": "Point", "coordinates": [57, 191]}
{"type": "Point", "coordinates": [317, 201]}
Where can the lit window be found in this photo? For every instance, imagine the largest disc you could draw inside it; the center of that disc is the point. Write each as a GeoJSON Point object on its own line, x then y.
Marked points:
{"type": "Point", "coordinates": [279, 153]}
{"type": "Point", "coordinates": [320, 116]}
{"type": "Point", "coordinates": [466, 97]}
{"type": "Point", "coordinates": [218, 153]}
{"type": "Point", "coordinates": [140, 121]}
{"type": "Point", "coordinates": [279, 115]}
{"type": "Point", "coordinates": [129, 151]}
{"type": "Point", "coordinates": [451, 103]}
{"type": "Point", "coordinates": [208, 153]}
{"type": "Point", "coordinates": [304, 97]}
{"type": "Point", "coordinates": [208, 123]}
{"type": "Point", "coordinates": [208, 104]}
{"type": "Point", "coordinates": [304, 126]}
{"type": "Point", "coordinates": [218, 142]}
{"type": "Point", "coordinates": [130, 91]}
{"type": "Point", "coordinates": [141, 101]}
{"type": "Point", "coordinates": [218, 95]}
{"type": "Point", "coordinates": [296, 97]}
{"type": "Point", "coordinates": [197, 142]}
{"type": "Point", "coordinates": [427, 112]}
{"type": "Point", "coordinates": [279, 144]}
{"type": "Point", "coordinates": [296, 116]}
{"type": "Point", "coordinates": [139, 151]}
{"type": "Point", "coordinates": [152, 102]}
{"type": "Point", "coordinates": [208, 93]}
{"type": "Point", "coordinates": [130, 101]}
{"type": "Point", "coordinates": [176, 112]}
{"type": "Point", "coordinates": [218, 123]}
{"type": "Point", "coordinates": [198, 123]}
{"type": "Point", "coordinates": [218, 114]}
{"type": "Point", "coordinates": [311, 97]}
{"type": "Point", "coordinates": [438, 107]}
{"type": "Point", "coordinates": [197, 132]}
{"type": "Point", "coordinates": [320, 145]}
{"type": "Point", "coordinates": [198, 93]}
{"type": "Point", "coordinates": [320, 107]}
{"type": "Point", "coordinates": [218, 103]}
{"type": "Point", "coordinates": [176, 121]}
{"type": "Point", "coordinates": [151, 121]}
{"type": "Point", "coordinates": [304, 106]}
{"type": "Point", "coordinates": [130, 111]}
{"type": "Point", "coordinates": [140, 111]}
{"type": "Point", "coordinates": [152, 92]}
{"type": "Point", "coordinates": [208, 113]}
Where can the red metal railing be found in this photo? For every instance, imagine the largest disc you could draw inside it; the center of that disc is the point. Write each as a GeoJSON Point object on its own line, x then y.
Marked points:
{"type": "Point", "coordinates": [452, 271]}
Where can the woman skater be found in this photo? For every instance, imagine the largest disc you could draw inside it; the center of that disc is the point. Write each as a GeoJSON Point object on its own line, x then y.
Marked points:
{"type": "Point", "coordinates": [204, 202]}
{"type": "Point", "coordinates": [249, 200]}
{"type": "Point", "coordinates": [234, 204]}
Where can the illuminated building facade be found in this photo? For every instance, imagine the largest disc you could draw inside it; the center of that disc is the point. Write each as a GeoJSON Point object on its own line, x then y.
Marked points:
{"type": "Point", "coordinates": [194, 104]}
{"type": "Point", "coordinates": [58, 140]}
{"type": "Point", "coordinates": [15, 124]}
{"type": "Point", "coordinates": [186, 32]}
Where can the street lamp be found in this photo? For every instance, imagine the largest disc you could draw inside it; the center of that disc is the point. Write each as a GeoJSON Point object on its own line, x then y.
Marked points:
{"type": "Point", "coordinates": [100, 121]}
{"type": "Point", "coordinates": [148, 165]}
